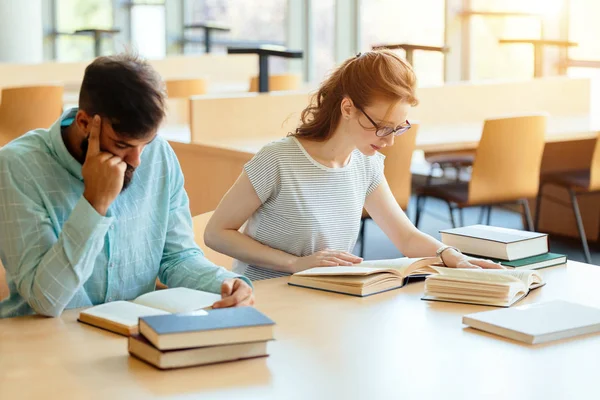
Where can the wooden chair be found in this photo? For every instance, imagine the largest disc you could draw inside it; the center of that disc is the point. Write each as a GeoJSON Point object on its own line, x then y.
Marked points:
{"type": "Point", "coordinates": [179, 92]}
{"type": "Point", "coordinates": [506, 168]}
{"type": "Point", "coordinates": [458, 161]}
{"type": "Point", "coordinates": [397, 172]}
{"type": "Point", "coordinates": [200, 222]}
{"type": "Point", "coordinates": [209, 172]}
{"type": "Point", "coordinates": [184, 88]}
{"type": "Point", "coordinates": [278, 82]}
{"type": "Point", "coordinates": [577, 183]}
{"type": "Point", "coordinates": [3, 284]}
{"type": "Point", "coordinates": [23, 109]}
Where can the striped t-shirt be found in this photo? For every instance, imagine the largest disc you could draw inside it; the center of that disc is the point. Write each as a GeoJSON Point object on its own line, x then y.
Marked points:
{"type": "Point", "coordinates": [306, 206]}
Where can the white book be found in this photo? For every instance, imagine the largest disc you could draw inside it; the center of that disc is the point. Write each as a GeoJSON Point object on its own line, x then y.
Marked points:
{"type": "Point", "coordinates": [495, 242]}
{"type": "Point", "coordinates": [538, 323]}
{"type": "Point", "coordinates": [122, 316]}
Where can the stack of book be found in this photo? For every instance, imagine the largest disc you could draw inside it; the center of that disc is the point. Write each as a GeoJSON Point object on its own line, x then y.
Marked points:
{"type": "Point", "coordinates": [177, 327]}
{"type": "Point", "coordinates": [510, 247]}
{"type": "Point", "coordinates": [202, 337]}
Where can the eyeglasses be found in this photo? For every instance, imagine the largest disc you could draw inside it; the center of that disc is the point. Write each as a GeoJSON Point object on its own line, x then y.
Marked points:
{"type": "Point", "coordinates": [387, 130]}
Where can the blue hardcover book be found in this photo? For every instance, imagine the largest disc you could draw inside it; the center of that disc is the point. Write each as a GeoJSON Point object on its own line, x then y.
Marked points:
{"type": "Point", "coordinates": [206, 328]}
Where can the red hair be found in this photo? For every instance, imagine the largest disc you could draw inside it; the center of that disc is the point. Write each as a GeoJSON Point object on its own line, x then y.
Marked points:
{"type": "Point", "coordinates": [379, 74]}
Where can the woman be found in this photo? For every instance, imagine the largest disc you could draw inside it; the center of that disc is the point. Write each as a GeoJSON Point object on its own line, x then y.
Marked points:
{"type": "Point", "coordinates": [303, 195]}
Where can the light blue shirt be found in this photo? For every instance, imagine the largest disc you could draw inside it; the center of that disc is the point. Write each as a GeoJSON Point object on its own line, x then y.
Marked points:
{"type": "Point", "coordinates": [60, 253]}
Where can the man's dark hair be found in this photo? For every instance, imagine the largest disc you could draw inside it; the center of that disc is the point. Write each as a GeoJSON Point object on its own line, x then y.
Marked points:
{"type": "Point", "coordinates": [126, 91]}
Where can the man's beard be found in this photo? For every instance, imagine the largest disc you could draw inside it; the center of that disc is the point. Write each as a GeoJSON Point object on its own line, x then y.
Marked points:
{"type": "Point", "coordinates": [127, 178]}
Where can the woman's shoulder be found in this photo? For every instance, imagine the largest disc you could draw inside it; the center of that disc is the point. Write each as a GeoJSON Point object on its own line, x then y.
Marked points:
{"type": "Point", "coordinates": [283, 146]}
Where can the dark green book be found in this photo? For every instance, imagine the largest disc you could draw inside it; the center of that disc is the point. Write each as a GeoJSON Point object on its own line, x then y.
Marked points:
{"type": "Point", "coordinates": [534, 262]}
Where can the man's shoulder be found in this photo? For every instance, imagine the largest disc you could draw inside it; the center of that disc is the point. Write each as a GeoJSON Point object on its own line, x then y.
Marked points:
{"type": "Point", "coordinates": [25, 150]}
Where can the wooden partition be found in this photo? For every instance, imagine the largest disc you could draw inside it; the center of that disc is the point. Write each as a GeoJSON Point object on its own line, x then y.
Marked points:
{"type": "Point", "coordinates": [209, 172]}
{"type": "Point", "coordinates": [214, 68]}
{"type": "Point", "coordinates": [474, 102]}
{"type": "Point", "coordinates": [244, 117]}
{"type": "Point", "coordinates": [252, 116]}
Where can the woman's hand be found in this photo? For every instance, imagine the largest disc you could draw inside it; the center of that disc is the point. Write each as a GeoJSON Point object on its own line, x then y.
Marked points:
{"type": "Point", "coordinates": [454, 259]}
{"type": "Point", "coordinates": [325, 258]}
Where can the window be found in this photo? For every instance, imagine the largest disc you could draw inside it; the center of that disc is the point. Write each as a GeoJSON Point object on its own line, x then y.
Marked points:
{"type": "Point", "coordinates": [323, 14]}
{"type": "Point", "coordinates": [148, 35]}
{"type": "Point", "coordinates": [72, 15]}
{"type": "Point", "coordinates": [492, 60]}
{"type": "Point", "coordinates": [584, 30]}
{"type": "Point", "coordinates": [250, 22]}
{"type": "Point", "coordinates": [406, 21]}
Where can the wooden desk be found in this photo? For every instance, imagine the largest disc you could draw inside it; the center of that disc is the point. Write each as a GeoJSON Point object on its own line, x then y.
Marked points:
{"type": "Point", "coordinates": [97, 34]}
{"type": "Point", "coordinates": [392, 345]}
{"type": "Point", "coordinates": [457, 137]}
{"type": "Point", "coordinates": [409, 49]}
{"type": "Point", "coordinates": [208, 28]}
{"type": "Point", "coordinates": [538, 50]}
{"type": "Point", "coordinates": [264, 52]}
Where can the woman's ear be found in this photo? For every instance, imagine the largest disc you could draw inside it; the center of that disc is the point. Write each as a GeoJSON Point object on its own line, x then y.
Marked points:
{"type": "Point", "coordinates": [347, 107]}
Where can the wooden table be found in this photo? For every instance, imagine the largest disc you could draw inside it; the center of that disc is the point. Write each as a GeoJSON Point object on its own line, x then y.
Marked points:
{"type": "Point", "coordinates": [391, 345]}
{"type": "Point", "coordinates": [208, 27]}
{"type": "Point", "coordinates": [538, 50]}
{"type": "Point", "coordinates": [456, 137]}
{"type": "Point", "coordinates": [97, 34]}
{"type": "Point", "coordinates": [409, 49]}
{"type": "Point", "coordinates": [264, 52]}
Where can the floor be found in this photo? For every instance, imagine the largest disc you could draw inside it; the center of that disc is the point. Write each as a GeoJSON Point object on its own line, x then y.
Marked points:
{"type": "Point", "coordinates": [378, 246]}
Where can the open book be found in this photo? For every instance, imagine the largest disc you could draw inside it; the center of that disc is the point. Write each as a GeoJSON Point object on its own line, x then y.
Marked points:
{"type": "Point", "coordinates": [366, 278]}
{"type": "Point", "coordinates": [492, 287]}
{"type": "Point", "coordinates": [122, 316]}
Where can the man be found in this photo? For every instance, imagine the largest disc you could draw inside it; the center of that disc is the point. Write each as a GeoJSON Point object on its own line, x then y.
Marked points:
{"type": "Point", "coordinates": [94, 210]}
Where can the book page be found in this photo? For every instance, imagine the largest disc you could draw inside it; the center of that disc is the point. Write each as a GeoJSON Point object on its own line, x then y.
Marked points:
{"type": "Point", "coordinates": [399, 266]}
{"type": "Point", "coordinates": [528, 277]}
{"type": "Point", "coordinates": [122, 312]}
{"type": "Point", "coordinates": [177, 300]}
{"type": "Point", "coordinates": [335, 271]}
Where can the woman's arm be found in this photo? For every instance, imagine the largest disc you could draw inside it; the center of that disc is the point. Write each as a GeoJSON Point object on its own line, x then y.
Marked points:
{"type": "Point", "coordinates": [222, 234]}
{"type": "Point", "coordinates": [411, 242]}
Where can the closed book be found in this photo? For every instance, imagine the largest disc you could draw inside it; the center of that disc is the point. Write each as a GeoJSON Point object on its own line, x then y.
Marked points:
{"type": "Point", "coordinates": [538, 323]}
{"type": "Point", "coordinates": [534, 262]}
{"type": "Point", "coordinates": [491, 241]}
{"type": "Point", "coordinates": [366, 278]}
{"type": "Point", "coordinates": [211, 328]}
{"type": "Point", "coordinates": [141, 348]}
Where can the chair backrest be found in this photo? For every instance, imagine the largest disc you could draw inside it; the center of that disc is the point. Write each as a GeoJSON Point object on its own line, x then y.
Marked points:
{"type": "Point", "coordinates": [3, 284]}
{"type": "Point", "coordinates": [278, 82]}
{"type": "Point", "coordinates": [184, 88]}
{"type": "Point", "coordinates": [508, 160]}
{"type": "Point", "coordinates": [595, 167]}
{"type": "Point", "coordinates": [179, 92]}
{"type": "Point", "coordinates": [200, 222]}
{"type": "Point", "coordinates": [209, 172]}
{"type": "Point", "coordinates": [397, 165]}
{"type": "Point", "coordinates": [26, 108]}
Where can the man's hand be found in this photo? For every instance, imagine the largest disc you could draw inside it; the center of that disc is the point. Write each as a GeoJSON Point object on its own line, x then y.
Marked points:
{"type": "Point", "coordinates": [103, 173]}
{"type": "Point", "coordinates": [235, 293]}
